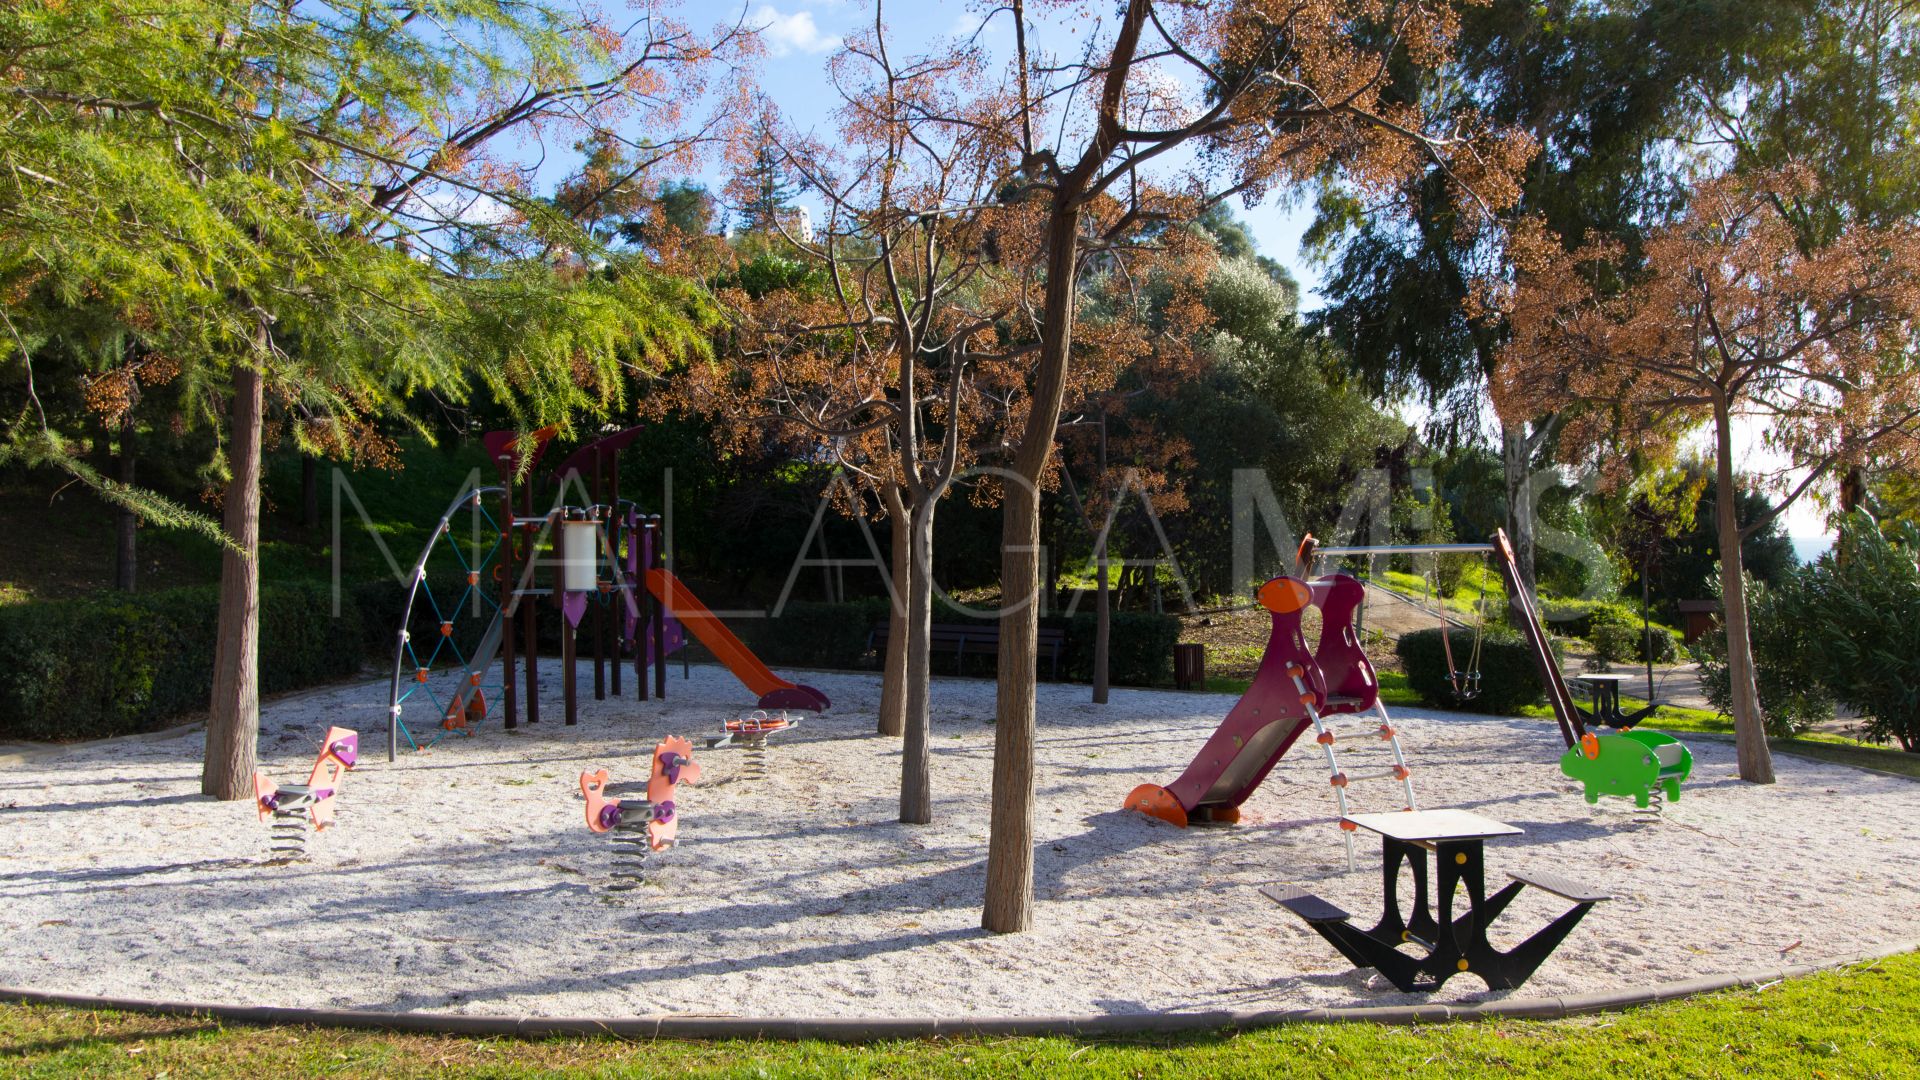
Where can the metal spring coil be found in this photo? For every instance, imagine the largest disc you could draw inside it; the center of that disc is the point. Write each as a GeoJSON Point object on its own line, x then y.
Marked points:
{"type": "Point", "coordinates": [630, 853]}
{"type": "Point", "coordinates": [755, 766]}
{"type": "Point", "coordinates": [288, 838]}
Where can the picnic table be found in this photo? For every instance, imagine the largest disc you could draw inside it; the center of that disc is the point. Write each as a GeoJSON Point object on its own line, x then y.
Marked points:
{"type": "Point", "coordinates": [1453, 944]}
{"type": "Point", "coordinates": [1603, 696]}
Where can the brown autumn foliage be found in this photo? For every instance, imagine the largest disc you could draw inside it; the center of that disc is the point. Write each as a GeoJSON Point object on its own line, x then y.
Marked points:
{"type": "Point", "coordinates": [1725, 309]}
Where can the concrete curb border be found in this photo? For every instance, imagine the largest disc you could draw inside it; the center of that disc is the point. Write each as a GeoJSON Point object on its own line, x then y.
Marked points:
{"type": "Point", "coordinates": [864, 1029]}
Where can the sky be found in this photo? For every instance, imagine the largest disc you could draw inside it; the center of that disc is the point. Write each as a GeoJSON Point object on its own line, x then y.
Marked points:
{"type": "Point", "coordinates": [799, 35]}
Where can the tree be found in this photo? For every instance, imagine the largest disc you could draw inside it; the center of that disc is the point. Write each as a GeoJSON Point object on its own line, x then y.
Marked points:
{"type": "Point", "coordinates": [875, 345]}
{"type": "Point", "coordinates": [1256, 93]}
{"type": "Point", "coordinates": [1603, 88]}
{"type": "Point", "coordinates": [1729, 315]}
{"type": "Point", "coordinates": [255, 189]}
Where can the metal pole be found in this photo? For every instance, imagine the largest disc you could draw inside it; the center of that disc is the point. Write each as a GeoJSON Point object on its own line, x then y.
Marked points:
{"type": "Point", "coordinates": [1406, 549]}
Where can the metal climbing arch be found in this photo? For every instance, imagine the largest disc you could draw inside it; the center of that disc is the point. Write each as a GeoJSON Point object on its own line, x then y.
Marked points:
{"type": "Point", "coordinates": [452, 675]}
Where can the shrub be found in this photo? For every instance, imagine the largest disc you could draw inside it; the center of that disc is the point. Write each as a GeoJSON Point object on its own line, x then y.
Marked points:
{"type": "Point", "coordinates": [1508, 679]}
{"type": "Point", "coordinates": [112, 665]}
{"type": "Point", "coordinates": [1616, 644]}
{"type": "Point", "coordinates": [1139, 648]}
{"type": "Point", "coordinates": [1864, 615]}
{"type": "Point", "coordinates": [1789, 657]}
{"type": "Point", "coordinates": [1577, 618]}
{"type": "Point", "coordinates": [811, 634]}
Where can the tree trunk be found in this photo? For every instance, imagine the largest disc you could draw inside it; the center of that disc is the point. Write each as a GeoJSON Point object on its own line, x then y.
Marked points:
{"type": "Point", "coordinates": [233, 719]}
{"type": "Point", "coordinates": [309, 493]}
{"type": "Point", "coordinates": [1102, 626]}
{"type": "Point", "coordinates": [1009, 899]}
{"type": "Point", "coordinates": [1009, 907]}
{"type": "Point", "coordinates": [1517, 459]}
{"type": "Point", "coordinates": [1749, 731]}
{"type": "Point", "coordinates": [916, 758]}
{"type": "Point", "coordinates": [126, 556]}
{"type": "Point", "coordinates": [893, 681]}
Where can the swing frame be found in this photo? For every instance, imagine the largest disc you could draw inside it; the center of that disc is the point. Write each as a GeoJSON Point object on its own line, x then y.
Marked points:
{"type": "Point", "coordinates": [1573, 720]}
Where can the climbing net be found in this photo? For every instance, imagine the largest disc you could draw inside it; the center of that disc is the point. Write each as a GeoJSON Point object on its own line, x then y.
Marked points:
{"type": "Point", "coordinates": [452, 602]}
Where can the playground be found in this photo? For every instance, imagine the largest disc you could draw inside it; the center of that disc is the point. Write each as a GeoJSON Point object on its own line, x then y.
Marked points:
{"type": "Point", "coordinates": [463, 880]}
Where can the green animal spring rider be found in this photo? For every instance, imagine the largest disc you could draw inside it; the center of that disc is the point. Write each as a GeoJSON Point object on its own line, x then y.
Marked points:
{"type": "Point", "coordinates": [1636, 764]}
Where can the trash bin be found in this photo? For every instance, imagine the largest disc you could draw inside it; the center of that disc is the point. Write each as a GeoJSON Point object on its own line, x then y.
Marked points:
{"type": "Point", "coordinates": [1190, 666]}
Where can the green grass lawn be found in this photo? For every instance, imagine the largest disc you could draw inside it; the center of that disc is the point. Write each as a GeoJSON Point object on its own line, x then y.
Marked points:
{"type": "Point", "coordinates": [1481, 583]}
{"type": "Point", "coordinates": [1855, 1023]}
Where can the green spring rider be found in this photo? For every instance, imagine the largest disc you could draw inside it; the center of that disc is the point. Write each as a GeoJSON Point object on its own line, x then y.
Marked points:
{"type": "Point", "coordinates": [1636, 764]}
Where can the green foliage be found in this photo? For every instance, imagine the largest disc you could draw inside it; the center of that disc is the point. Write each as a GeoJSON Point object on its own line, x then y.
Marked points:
{"type": "Point", "coordinates": [1613, 628]}
{"type": "Point", "coordinates": [808, 634]}
{"type": "Point", "coordinates": [1418, 518]}
{"type": "Point", "coordinates": [1275, 400]}
{"type": "Point", "coordinates": [770, 272]}
{"type": "Point", "coordinates": [1617, 643]}
{"type": "Point", "coordinates": [1139, 648]}
{"type": "Point", "coordinates": [1862, 608]}
{"type": "Point", "coordinates": [1789, 657]}
{"type": "Point", "coordinates": [82, 669]}
{"type": "Point", "coordinates": [218, 219]}
{"type": "Point", "coordinates": [1508, 679]}
{"type": "Point", "coordinates": [1687, 565]}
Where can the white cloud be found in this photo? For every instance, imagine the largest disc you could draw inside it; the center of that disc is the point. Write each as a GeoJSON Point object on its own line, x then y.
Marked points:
{"type": "Point", "coordinates": [789, 34]}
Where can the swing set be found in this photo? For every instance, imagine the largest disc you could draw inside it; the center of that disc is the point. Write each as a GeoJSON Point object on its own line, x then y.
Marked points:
{"type": "Point", "coordinates": [1464, 681]}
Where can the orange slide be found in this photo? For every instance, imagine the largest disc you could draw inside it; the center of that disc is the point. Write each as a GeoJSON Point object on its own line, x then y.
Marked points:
{"type": "Point", "coordinates": [775, 692]}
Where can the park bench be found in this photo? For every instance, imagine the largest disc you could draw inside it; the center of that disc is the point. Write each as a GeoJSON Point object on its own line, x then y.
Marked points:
{"type": "Point", "coordinates": [979, 639]}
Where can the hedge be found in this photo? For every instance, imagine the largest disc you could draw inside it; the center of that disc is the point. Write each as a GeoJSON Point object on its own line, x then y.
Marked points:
{"type": "Point", "coordinates": [118, 664]}
{"type": "Point", "coordinates": [112, 665]}
{"type": "Point", "coordinates": [1140, 645]}
{"type": "Point", "coordinates": [1508, 679]}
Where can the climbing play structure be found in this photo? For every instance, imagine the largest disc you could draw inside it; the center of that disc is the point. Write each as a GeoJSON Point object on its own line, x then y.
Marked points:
{"type": "Point", "coordinates": [292, 808]}
{"type": "Point", "coordinates": [475, 591]}
{"type": "Point", "coordinates": [1296, 689]}
{"type": "Point", "coordinates": [639, 827]}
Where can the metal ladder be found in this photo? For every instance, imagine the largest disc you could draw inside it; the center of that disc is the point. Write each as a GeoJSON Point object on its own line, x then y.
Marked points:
{"type": "Point", "coordinates": [1340, 778]}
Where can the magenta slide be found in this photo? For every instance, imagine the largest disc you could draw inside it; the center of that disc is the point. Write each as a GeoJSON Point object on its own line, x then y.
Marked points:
{"type": "Point", "coordinates": [1262, 726]}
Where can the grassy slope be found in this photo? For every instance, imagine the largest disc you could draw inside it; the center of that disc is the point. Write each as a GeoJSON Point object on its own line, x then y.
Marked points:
{"type": "Point", "coordinates": [1854, 1023]}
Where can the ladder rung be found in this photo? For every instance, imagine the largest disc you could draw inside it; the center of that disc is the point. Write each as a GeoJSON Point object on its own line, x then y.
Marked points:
{"type": "Point", "coordinates": [1377, 774]}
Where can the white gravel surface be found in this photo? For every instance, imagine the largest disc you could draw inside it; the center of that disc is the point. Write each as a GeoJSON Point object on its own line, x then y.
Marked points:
{"type": "Point", "coordinates": [464, 879]}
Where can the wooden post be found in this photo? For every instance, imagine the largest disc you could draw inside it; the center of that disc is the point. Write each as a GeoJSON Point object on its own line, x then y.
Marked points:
{"type": "Point", "coordinates": [509, 607]}
{"type": "Point", "coordinates": [529, 614]}
{"type": "Point", "coordinates": [616, 526]}
{"type": "Point", "coordinates": [659, 617]}
{"type": "Point", "coordinates": [599, 630]}
{"type": "Point", "coordinates": [567, 657]}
